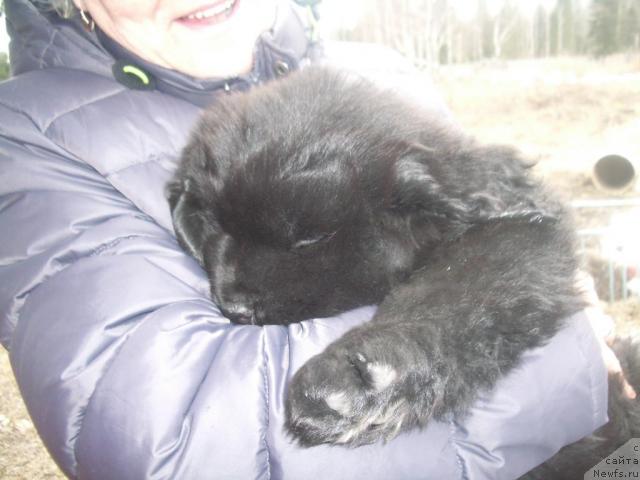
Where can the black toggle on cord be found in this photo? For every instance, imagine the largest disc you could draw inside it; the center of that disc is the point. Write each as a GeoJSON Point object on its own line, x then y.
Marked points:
{"type": "Point", "coordinates": [132, 76]}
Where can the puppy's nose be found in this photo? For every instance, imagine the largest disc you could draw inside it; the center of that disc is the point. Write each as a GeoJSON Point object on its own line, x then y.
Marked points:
{"type": "Point", "coordinates": [238, 313]}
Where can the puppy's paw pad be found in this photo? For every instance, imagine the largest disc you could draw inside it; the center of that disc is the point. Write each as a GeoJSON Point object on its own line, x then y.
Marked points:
{"type": "Point", "coordinates": [346, 397]}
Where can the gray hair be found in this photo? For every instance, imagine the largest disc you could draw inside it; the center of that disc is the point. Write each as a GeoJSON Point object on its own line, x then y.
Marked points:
{"type": "Point", "coordinates": [64, 8]}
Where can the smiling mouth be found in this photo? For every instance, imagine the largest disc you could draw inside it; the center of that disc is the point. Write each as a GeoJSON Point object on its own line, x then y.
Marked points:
{"type": "Point", "coordinates": [211, 14]}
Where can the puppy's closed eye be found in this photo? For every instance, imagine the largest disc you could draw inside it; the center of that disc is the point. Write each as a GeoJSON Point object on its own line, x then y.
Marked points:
{"type": "Point", "coordinates": [312, 240]}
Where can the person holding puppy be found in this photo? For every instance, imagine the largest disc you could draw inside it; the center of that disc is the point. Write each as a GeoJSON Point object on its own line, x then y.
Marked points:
{"type": "Point", "coordinates": [126, 366]}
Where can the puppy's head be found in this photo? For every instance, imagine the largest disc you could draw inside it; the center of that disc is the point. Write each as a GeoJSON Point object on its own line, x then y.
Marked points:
{"type": "Point", "coordinates": [300, 201]}
{"type": "Point", "coordinates": [283, 236]}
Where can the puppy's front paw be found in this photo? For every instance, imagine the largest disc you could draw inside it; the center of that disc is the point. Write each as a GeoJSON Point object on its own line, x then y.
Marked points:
{"type": "Point", "coordinates": [344, 397]}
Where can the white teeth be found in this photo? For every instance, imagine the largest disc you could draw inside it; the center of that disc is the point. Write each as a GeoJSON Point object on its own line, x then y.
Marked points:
{"type": "Point", "coordinates": [213, 11]}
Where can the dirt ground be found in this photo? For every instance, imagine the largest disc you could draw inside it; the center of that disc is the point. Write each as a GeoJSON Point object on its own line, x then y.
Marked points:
{"type": "Point", "coordinates": [564, 112]}
{"type": "Point", "coordinates": [22, 455]}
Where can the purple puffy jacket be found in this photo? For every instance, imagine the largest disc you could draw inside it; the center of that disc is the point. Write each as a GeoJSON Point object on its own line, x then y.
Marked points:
{"type": "Point", "coordinates": [127, 368]}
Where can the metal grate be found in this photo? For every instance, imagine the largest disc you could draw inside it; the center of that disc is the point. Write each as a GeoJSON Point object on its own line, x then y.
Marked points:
{"type": "Point", "coordinates": [616, 240]}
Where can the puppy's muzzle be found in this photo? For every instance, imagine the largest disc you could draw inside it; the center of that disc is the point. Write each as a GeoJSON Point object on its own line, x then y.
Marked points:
{"type": "Point", "coordinates": [239, 312]}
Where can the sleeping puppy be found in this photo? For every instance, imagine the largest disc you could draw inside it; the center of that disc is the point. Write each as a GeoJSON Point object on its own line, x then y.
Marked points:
{"type": "Point", "coordinates": [320, 193]}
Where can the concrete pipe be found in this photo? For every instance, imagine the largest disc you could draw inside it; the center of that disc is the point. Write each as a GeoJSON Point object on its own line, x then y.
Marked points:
{"type": "Point", "coordinates": [614, 173]}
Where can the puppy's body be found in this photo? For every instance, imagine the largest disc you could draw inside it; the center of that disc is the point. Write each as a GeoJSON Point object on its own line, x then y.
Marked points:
{"type": "Point", "coordinates": [320, 193]}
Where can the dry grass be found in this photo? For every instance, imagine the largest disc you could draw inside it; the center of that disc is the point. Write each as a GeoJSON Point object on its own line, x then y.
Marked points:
{"type": "Point", "coordinates": [627, 315]}
{"type": "Point", "coordinates": [22, 455]}
{"type": "Point", "coordinates": [565, 112]}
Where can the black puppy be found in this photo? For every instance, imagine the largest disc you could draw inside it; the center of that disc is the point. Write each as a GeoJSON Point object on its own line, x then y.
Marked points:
{"type": "Point", "coordinates": [321, 192]}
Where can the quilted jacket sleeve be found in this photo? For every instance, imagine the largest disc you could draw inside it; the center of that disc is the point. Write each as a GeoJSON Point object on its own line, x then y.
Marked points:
{"type": "Point", "coordinates": [129, 371]}
{"type": "Point", "coordinates": [84, 282]}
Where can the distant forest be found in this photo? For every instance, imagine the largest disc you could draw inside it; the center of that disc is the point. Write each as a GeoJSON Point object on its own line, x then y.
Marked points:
{"type": "Point", "coordinates": [455, 31]}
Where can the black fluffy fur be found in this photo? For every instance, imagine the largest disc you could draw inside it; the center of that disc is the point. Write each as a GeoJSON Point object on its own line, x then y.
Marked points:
{"type": "Point", "coordinates": [320, 193]}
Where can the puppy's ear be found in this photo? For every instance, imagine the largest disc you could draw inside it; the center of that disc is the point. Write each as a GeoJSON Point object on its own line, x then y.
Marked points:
{"type": "Point", "coordinates": [467, 184]}
{"type": "Point", "coordinates": [417, 191]}
{"type": "Point", "coordinates": [186, 213]}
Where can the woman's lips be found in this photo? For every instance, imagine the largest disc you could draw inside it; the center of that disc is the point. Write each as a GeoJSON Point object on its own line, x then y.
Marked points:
{"type": "Point", "coordinates": [210, 14]}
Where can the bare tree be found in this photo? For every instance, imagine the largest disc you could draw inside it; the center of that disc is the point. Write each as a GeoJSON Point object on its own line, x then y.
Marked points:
{"type": "Point", "coordinates": [435, 31]}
